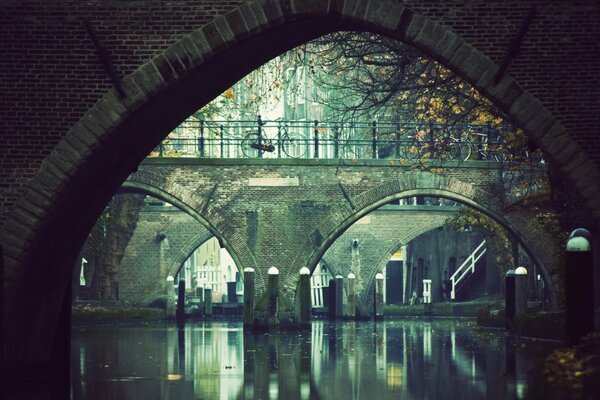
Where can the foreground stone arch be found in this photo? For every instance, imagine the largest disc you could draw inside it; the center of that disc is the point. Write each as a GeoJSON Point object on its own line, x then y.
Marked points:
{"type": "Point", "coordinates": [50, 221]}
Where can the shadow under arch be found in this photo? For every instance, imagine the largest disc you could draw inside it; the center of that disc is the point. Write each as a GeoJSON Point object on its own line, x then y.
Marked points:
{"type": "Point", "coordinates": [341, 228]}
{"type": "Point", "coordinates": [77, 179]}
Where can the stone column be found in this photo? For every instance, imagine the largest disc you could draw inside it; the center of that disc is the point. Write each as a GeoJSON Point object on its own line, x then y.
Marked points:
{"type": "Point", "coordinates": [331, 300]}
{"type": "Point", "coordinates": [579, 287]}
{"type": "Point", "coordinates": [273, 297]}
{"type": "Point", "coordinates": [510, 299]}
{"type": "Point", "coordinates": [180, 313]}
{"type": "Point", "coordinates": [208, 301]}
{"type": "Point", "coordinates": [303, 297]}
{"type": "Point", "coordinates": [248, 297]}
{"type": "Point", "coordinates": [351, 296]}
{"type": "Point", "coordinates": [170, 298]}
{"type": "Point", "coordinates": [339, 296]}
{"type": "Point", "coordinates": [379, 296]}
{"type": "Point", "coordinates": [520, 291]}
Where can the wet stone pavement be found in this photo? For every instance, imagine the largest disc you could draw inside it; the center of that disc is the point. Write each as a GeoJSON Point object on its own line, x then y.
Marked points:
{"type": "Point", "coordinates": [406, 358]}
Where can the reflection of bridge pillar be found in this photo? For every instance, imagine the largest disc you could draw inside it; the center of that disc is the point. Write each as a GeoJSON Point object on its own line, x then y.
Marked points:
{"type": "Point", "coordinates": [248, 297]}
{"type": "Point", "coordinates": [249, 365]}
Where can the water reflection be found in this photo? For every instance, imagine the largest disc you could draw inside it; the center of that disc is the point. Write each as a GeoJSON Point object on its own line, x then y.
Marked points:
{"type": "Point", "coordinates": [402, 358]}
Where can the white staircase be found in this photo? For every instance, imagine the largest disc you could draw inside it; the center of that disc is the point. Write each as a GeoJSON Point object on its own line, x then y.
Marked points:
{"type": "Point", "coordinates": [466, 268]}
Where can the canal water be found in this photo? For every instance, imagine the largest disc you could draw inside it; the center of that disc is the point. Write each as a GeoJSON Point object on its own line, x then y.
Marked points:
{"type": "Point", "coordinates": [393, 359]}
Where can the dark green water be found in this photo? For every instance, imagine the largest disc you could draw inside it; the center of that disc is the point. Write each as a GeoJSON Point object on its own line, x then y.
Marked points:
{"type": "Point", "coordinates": [395, 359]}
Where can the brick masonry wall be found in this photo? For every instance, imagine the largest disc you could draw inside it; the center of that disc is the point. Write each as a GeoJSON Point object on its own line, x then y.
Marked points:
{"type": "Point", "coordinates": [51, 74]}
{"type": "Point", "coordinates": [148, 259]}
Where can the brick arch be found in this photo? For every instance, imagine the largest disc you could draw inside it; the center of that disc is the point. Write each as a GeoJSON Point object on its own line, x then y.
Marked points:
{"type": "Point", "coordinates": [421, 183]}
{"type": "Point", "coordinates": [187, 252]}
{"type": "Point", "coordinates": [87, 166]}
{"type": "Point", "coordinates": [162, 188]}
{"type": "Point", "coordinates": [403, 234]}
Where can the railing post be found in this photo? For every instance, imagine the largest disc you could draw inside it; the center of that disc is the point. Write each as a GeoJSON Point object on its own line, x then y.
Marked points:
{"type": "Point", "coordinates": [201, 139]}
{"type": "Point", "coordinates": [336, 142]}
{"type": "Point", "coordinates": [221, 144]}
{"type": "Point", "coordinates": [374, 135]}
{"type": "Point", "coordinates": [161, 149]}
{"type": "Point", "coordinates": [398, 141]}
{"type": "Point", "coordinates": [260, 124]}
{"type": "Point", "coordinates": [279, 142]}
{"type": "Point", "coordinates": [316, 130]}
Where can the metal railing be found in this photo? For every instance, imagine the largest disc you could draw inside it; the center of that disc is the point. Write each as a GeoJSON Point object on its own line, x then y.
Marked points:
{"type": "Point", "coordinates": [467, 267]}
{"type": "Point", "coordinates": [412, 142]}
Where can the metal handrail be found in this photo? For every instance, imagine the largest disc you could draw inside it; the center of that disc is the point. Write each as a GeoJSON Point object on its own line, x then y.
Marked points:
{"type": "Point", "coordinates": [328, 139]}
{"type": "Point", "coordinates": [468, 266]}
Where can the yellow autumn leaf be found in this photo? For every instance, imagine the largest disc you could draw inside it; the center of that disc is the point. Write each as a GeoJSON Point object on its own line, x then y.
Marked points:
{"type": "Point", "coordinates": [229, 94]}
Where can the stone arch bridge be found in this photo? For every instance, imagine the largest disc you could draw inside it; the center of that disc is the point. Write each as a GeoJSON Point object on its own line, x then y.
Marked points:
{"type": "Point", "coordinates": [164, 237]}
{"type": "Point", "coordinates": [287, 213]}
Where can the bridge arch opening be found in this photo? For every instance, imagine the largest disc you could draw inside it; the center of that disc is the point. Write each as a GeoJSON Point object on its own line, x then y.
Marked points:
{"type": "Point", "coordinates": [527, 244]}
{"type": "Point", "coordinates": [87, 167]}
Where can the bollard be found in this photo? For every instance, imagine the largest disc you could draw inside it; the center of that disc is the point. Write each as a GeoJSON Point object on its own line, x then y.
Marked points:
{"type": "Point", "coordinates": [509, 298]}
{"type": "Point", "coordinates": [248, 296]}
{"type": "Point", "coordinates": [304, 297]}
{"type": "Point", "coordinates": [180, 313]}
{"type": "Point", "coordinates": [579, 287]}
{"type": "Point", "coordinates": [351, 296]}
{"type": "Point", "coordinates": [208, 301]}
{"type": "Point", "coordinates": [379, 296]}
{"type": "Point", "coordinates": [170, 298]}
{"type": "Point", "coordinates": [520, 291]}
{"type": "Point", "coordinates": [427, 307]}
{"type": "Point", "coordinates": [339, 297]}
{"type": "Point", "coordinates": [273, 297]}
{"type": "Point", "coordinates": [331, 300]}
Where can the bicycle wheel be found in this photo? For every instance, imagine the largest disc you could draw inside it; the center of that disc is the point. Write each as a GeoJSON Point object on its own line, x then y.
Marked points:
{"type": "Point", "coordinates": [250, 140]}
{"type": "Point", "coordinates": [294, 147]}
{"type": "Point", "coordinates": [460, 150]}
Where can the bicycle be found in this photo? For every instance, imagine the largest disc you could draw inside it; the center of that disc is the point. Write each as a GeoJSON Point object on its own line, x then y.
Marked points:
{"type": "Point", "coordinates": [425, 145]}
{"type": "Point", "coordinates": [483, 148]}
{"type": "Point", "coordinates": [255, 144]}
